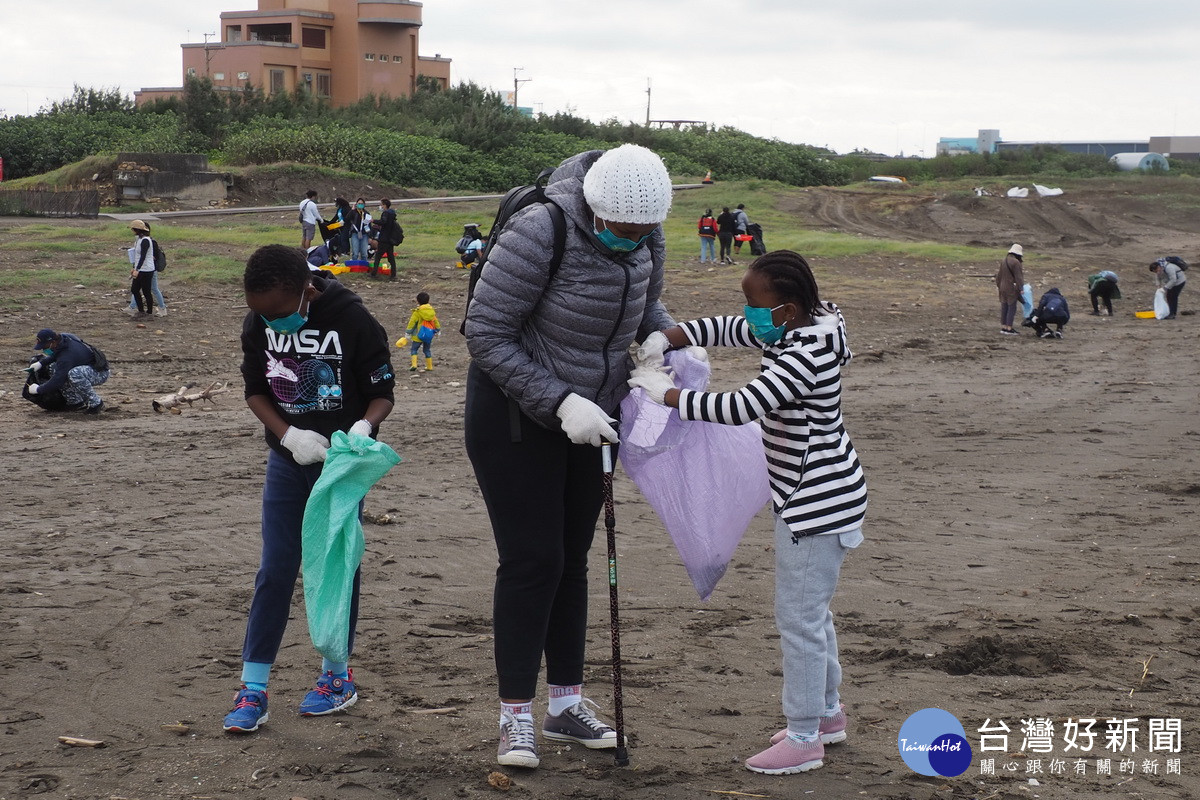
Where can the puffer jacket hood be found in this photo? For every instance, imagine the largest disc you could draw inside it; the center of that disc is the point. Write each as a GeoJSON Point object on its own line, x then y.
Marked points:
{"type": "Point", "coordinates": [540, 339]}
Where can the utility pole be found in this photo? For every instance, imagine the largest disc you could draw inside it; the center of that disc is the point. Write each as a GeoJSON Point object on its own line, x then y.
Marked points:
{"type": "Point", "coordinates": [207, 54]}
{"type": "Point", "coordinates": [517, 84]}
{"type": "Point", "coordinates": [647, 102]}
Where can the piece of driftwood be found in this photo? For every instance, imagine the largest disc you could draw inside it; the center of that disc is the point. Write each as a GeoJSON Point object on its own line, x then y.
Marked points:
{"type": "Point", "coordinates": [75, 741]}
{"type": "Point", "coordinates": [172, 402]}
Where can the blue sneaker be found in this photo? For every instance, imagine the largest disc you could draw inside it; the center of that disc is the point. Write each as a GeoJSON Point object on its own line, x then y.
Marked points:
{"type": "Point", "coordinates": [250, 711]}
{"type": "Point", "coordinates": [329, 695]}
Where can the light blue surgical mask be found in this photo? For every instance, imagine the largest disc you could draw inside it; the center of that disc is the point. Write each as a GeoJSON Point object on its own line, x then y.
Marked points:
{"type": "Point", "coordinates": [762, 325]}
{"type": "Point", "coordinates": [616, 243]}
{"type": "Point", "coordinates": [47, 351]}
{"type": "Point", "coordinates": [289, 324]}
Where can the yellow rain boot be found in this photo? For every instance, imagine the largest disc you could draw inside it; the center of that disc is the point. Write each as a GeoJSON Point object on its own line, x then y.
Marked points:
{"type": "Point", "coordinates": [413, 368]}
{"type": "Point", "coordinates": [429, 365]}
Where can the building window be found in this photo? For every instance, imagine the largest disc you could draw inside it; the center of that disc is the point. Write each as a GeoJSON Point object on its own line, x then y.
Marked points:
{"type": "Point", "coordinates": [191, 72]}
{"type": "Point", "coordinates": [396, 59]}
{"type": "Point", "coordinates": [313, 37]}
{"type": "Point", "coordinates": [323, 84]}
{"type": "Point", "coordinates": [233, 33]}
{"type": "Point", "coordinates": [218, 76]}
{"type": "Point", "coordinates": [243, 76]}
{"type": "Point", "coordinates": [368, 56]}
{"type": "Point", "coordinates": [276, 81]}
{"type": "Point", "coordinates": [383, 57]}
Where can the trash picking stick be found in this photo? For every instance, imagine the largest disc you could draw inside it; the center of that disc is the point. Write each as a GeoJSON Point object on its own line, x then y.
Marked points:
{"type": "Point", "coordinates": [610, 525]}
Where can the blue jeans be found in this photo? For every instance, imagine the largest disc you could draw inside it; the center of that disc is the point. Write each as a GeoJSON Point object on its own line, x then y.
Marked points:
{"type": "Point", "coordinates": [806, 574]}
{"type": "Point", "coordinates": [358, 246]}
{"type": "Point", "coordinates": [708, 249]}
{"type": "Point", "coordinates": [416, 344]}
{"type": "Point", "coordinates": [285, 493]}
{"type": "Point", "coordinates": [158, 296]}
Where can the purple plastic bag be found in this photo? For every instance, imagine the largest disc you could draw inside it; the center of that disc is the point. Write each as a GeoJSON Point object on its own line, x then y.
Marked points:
{"type": "Point", "coordinates": [704, 480]}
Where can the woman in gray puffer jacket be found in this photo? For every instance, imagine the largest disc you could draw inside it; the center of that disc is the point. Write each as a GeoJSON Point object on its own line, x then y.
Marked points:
{"type": "Point", "coordinates": [549, 368]}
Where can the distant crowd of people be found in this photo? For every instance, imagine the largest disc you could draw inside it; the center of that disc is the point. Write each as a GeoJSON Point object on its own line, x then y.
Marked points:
{"type": "Point", "coordinates": [350, 232]}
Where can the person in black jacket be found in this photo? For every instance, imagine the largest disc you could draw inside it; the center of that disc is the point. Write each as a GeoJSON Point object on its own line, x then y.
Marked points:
{"type": "Point", "coordinates": [726, 228]}
{"type": "Point", "coordinates": [390, 235]}
{"type": "Point", "coordinates": [75, 368]}
{"type": "Point", "coordinates": [314, 361]}
{"type": "Point", "coordinates": [1052, 310]}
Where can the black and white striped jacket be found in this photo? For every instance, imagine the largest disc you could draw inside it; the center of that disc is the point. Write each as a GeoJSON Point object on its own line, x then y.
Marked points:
{"type": "Point", "coordinates": [817, 483]}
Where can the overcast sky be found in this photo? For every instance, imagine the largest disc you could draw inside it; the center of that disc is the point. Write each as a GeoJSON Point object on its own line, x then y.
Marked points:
{"type": "Point", "coordinates": [886, 75]}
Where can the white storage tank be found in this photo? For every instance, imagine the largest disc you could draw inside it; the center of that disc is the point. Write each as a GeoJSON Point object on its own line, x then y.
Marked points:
{"type": "Point", "coordinates": [1128, 162]}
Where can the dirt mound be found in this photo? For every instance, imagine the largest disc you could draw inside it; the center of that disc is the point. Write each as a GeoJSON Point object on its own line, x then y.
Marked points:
{"type": "Point", "coordinates": [1089, 220]}
{"type": "Point", "coordinates": [279, 184]}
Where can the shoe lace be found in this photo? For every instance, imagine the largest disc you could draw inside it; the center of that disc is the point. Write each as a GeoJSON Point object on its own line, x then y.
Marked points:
{"type": "Point", "coordinates": [247, 701]}
{"type": "Point", "coordinates": [582, 711]}
{"type": "Point", "coordinates": [521, 735]}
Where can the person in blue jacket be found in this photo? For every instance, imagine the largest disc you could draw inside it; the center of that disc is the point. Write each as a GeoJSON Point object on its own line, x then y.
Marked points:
{"type": "Point", "coordinates": [75, 368]}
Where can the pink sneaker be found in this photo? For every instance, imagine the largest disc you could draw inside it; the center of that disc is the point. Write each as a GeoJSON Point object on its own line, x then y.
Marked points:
{"type": "Point", "coordinates": [787, 757]}
{"type": "Point", "coordinates": [832, 729]}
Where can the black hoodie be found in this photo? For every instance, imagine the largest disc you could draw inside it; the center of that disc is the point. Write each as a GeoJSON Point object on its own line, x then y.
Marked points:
{"type": "Point", "coordinates": [323, 376]}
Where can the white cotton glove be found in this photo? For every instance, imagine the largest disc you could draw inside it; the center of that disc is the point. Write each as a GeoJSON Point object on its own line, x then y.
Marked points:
{"type": "Point", "coordinates": [308, 447]}
{"type": "Point", "coordinates": [584, 422]}
{"type": "Point", "coordinates": [650, 352]}
{"type": "Point", "coordinates": [362, 428]}
{"type": "Point", "coordinates": [697, 352]}
{"type": "Point", "coordinates": [33, 387]}
{"type": "Point", "coordinates": [654, 382]}
{"type": "Point", "coordinates": [34, 367]}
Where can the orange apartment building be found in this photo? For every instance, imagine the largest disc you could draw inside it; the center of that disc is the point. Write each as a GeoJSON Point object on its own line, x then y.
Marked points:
{"type": "Point", "coordinates": [340, 50]}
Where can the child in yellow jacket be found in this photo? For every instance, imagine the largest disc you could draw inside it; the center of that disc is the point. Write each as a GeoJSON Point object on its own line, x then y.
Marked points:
{"type": "Point", "coordinates": [423, 325]}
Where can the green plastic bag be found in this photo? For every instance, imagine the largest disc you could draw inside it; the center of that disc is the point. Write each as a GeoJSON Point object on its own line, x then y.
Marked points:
{"type": "Point", "coordinates": [332, 539]}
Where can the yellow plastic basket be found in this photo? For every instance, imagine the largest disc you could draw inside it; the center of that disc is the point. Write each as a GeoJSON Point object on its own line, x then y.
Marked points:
{"type": "Point", "coordinates": [1144, 314]}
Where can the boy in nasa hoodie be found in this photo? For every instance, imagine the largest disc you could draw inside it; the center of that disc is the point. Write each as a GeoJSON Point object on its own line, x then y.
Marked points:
{"type": "Point", "coordinates": [314, 361]}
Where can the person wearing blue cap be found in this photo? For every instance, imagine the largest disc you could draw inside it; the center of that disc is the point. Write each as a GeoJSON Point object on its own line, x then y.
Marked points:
{"type": "Point", "coordinates": [75, 369]}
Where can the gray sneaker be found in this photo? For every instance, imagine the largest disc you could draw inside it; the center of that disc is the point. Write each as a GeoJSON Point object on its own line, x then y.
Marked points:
{"type": "Point", "coordinates": [518, 742]}
{"type": "Point", "coordinates": [578, 724]}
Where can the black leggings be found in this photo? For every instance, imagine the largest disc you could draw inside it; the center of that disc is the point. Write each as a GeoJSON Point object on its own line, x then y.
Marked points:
{"type": "Point", "coordinates": [142, 284]}
{"type": "Point", "coordinates": [384, 246]}
{"type": "Point", "coordinates": [1173, 297]}
{"type": "Point", "coordinates": [726, 241]}
{"type": "Point", "coordinates": [1102, 290]}
{"type": "Point", "coordinates": [543, 495]}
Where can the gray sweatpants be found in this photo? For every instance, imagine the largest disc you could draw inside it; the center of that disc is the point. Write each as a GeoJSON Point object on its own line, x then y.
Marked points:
{"type": "Point", "coordinates": [806, 574]}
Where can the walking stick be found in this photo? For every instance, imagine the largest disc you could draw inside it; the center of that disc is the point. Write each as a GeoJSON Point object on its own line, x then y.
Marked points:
{"type": "Point", "coordinates": [610, 525]}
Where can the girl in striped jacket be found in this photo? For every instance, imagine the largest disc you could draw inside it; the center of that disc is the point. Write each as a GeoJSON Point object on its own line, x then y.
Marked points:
{"type": "Point", "coordinates": [819, 494]}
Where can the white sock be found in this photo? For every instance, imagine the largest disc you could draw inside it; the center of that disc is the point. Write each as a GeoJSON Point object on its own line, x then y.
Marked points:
{"type": "Point", "coordinates": [832, 710]}
{"type": "Point", "coordinates": [563, 697]}
{"type": "Point", "coordinates": [519, 710]}
{"type": "Point", "coordinates": [803, 737]}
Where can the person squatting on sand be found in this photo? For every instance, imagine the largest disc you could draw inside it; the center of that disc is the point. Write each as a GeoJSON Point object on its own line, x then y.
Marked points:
{"type": "Point", "coordinates": [74, 368]}
{"type": "Point", "coordinates": [549, 364]}
{"type": "Point", "coordinates": [302, 397]}
{"type": "Point", "coordinates": [819, 493]}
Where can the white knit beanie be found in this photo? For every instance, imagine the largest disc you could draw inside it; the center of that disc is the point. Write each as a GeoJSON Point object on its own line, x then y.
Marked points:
{"type": "Point", "coordinates": [629, 184]}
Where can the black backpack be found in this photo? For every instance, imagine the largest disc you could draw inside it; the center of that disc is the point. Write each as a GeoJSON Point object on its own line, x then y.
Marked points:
{"type": "Point", "coordinates": [517, 198]}
{"type": "Point", "coordinates": [160, 258]}
{"type": "Point", "coordinates": [1179, 262]}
